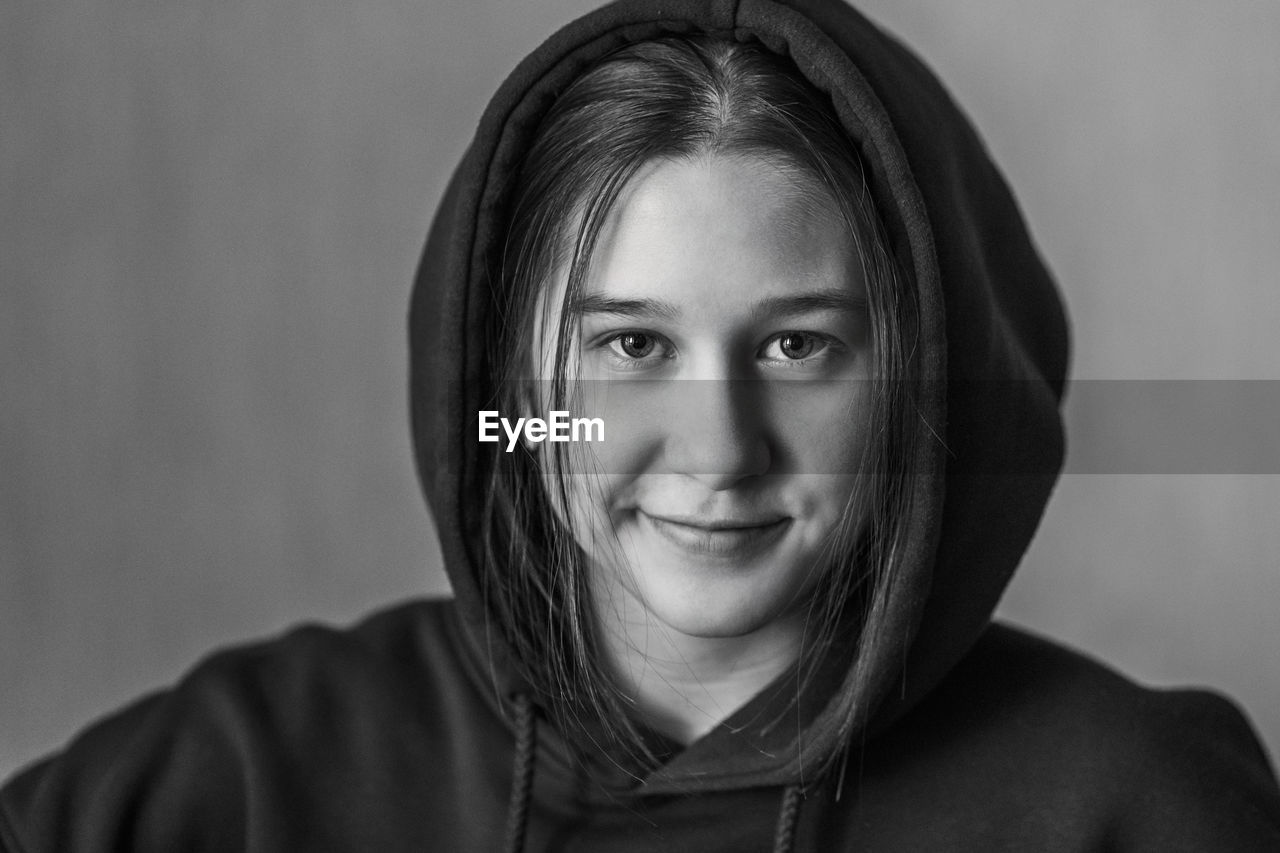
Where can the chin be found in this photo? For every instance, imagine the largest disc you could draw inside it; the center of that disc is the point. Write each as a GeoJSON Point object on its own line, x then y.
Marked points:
{"type": "Point", "coordinates": [709, 601]}
{"type": "Point", "coordinates": [710, 623]}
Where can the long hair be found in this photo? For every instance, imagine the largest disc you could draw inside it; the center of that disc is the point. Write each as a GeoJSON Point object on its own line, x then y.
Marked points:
{"type": "Point", "coordinates": [672, 98]}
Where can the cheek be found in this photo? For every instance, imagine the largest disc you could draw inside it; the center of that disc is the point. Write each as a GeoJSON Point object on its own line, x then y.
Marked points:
{"type": "Point", "coordinates": [637, 415]}
{"type": "Point", "coordinates": [825, 499]}
{"type": "Point", "coordinates": [819, 429]}
{"type": "Point", "coordinates": [597, 519]}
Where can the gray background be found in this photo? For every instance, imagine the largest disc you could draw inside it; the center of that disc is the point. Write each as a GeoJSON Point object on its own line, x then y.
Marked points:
{"type": "Point", "coordinates": [210, 217]}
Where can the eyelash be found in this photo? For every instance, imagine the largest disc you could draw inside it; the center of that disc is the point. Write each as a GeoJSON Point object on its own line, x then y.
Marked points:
{"type": "Point", "coordinates": [822, 346]}
{"type": "Point", "coordinates": [612, 345]}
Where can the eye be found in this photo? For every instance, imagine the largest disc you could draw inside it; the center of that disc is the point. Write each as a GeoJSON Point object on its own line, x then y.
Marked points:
{"type": "Point", "coordinates": [633, 344]}
{"type": "Point", "coordinates": [629, 350]}
{"type": "Point", "coordinates": [793, 346]}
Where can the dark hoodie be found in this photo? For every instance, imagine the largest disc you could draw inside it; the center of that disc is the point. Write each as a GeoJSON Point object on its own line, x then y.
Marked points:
{"type": "Point", "coordinates": [411, 731]}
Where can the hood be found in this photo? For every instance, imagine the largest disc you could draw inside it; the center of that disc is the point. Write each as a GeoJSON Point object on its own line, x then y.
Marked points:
{"type": "Point", "coordinates": [992, 354]}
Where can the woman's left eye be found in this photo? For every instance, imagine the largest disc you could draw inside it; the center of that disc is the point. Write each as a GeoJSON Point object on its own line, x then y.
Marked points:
{"type": "Point", "coordinates": [793, 346]}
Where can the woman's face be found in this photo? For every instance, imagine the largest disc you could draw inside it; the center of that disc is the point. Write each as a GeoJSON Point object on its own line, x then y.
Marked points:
{"type": "Point", "coordinates": [723, 338]}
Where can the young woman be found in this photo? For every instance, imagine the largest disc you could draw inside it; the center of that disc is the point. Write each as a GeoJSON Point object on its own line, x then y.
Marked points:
{"type": "Point", "coordinates": [757, 245]}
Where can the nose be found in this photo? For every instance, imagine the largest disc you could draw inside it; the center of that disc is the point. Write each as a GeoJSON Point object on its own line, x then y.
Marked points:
{"type": "Point", "coordinates": [717, 434]}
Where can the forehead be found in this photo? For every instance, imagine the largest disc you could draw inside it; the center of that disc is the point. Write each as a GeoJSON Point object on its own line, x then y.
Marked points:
{"type": "Point", "coordinates": [711, 231]}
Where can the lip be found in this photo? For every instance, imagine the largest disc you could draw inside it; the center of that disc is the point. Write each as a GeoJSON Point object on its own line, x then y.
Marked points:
{"type": "Point", "coordinates": [726, 538]}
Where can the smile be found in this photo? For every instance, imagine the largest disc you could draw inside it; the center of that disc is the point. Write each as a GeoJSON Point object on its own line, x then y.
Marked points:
{"type": "Point", "coordinates": [725, 538]}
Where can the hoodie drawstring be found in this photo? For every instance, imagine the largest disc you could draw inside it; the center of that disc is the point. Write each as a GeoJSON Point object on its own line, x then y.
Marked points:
{"type": "Point", "coordinates": [521, 774]}
{"type": "Point", "coordinates": [784, 837]}
{"type": "Point", "coordinates": [522, 787]}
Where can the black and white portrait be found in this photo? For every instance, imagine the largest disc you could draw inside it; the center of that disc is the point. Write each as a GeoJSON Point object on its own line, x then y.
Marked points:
{"type": "Point", "coordinates": [726, 425]}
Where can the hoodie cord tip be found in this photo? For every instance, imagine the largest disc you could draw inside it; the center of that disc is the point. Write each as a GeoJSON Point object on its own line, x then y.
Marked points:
{"type": "Point", "coordinates": [521, 775]}
{"type": "Point", "coordinates": [784, 838]}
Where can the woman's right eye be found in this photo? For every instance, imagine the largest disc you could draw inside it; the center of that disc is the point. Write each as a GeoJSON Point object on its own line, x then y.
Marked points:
{"type": "Point", "coordinates": [636, 346]}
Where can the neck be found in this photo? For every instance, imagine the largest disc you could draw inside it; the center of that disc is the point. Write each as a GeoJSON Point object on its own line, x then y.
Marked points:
{"type": "Point", "coordinates": [684, 686]}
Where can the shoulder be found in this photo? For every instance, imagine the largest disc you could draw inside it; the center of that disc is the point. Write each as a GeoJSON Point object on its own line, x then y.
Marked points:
{"type": "Point", "coordinates": [240, 731]}
{"type": "Point", "coordinates": [1079, 698]}
{"type": "Point", "coordinates": [410, 636]}
{"type": "Point", "coordinates": [313, 675]}
{"type": "Point", "coordinates": [1088, 749]}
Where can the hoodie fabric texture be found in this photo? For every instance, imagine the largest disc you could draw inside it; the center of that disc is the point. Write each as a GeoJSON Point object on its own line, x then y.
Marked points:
{"type": "Point", "coordinates": [411, 731]}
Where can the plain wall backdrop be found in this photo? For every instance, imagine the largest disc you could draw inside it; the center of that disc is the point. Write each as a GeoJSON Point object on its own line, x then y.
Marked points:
{"type": "Point", "coordinates": [210, 215]}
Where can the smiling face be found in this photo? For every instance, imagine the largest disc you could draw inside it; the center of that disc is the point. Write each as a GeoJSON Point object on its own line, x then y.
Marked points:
{"type": "Point", "coordinates": [726, 314]}
{"type": "Point", "coordinates": [725, 311]}
{"type": "Point", "coordinates": [688, 250]}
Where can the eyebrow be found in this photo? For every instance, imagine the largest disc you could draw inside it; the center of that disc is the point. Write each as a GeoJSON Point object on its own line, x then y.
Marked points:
{"type": "Point", "coordinates": [594, 303]}
{"type": "Point", "coordinates": [809, 303]}
{"type": "Point", "coordinates": [793, 305]}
